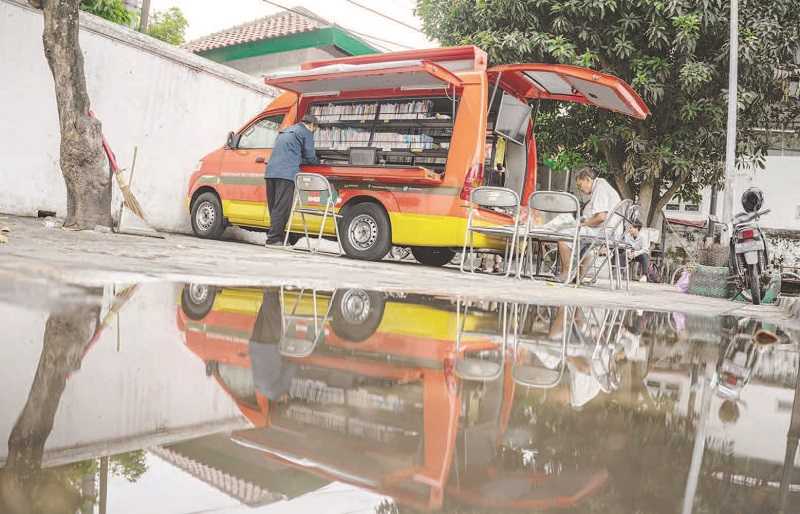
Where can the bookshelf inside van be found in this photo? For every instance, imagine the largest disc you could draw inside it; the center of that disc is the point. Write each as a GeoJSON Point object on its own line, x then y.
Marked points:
{"type": "Point", "coordinates": [403, 132]}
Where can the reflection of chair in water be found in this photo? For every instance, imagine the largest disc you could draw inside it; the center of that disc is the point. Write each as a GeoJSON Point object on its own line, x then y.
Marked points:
{"type": "Point", "coordinates": [292, 324]}
{"type": "Point", "coordinates": [539, 362]}
{"type": "Point", "coordinates": [472, 365]}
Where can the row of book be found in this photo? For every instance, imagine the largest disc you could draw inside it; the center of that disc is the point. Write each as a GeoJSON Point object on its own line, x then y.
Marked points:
{"type": "Point", "coordinates": [412, 110]}
{"type": "Point", "coordinates": [342, 138]}
{"type": "Point", "coordinates": [334, 112]}
{"type": "Point", "coordinates": [344, 424]}
{"type": "Point", "coordinates": [317, 391]}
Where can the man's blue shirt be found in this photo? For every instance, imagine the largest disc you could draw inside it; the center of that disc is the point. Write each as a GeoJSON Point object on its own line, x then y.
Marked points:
{"type": "Point", "coordinates": [293, 146]}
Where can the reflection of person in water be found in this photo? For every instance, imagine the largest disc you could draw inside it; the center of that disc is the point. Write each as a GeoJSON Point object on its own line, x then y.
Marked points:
{"type": "Point", "coordinates": [272, 373]}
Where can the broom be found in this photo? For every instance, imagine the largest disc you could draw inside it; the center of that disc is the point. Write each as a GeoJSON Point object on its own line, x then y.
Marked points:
{"type": "Point", "coordinates": [130, 201]}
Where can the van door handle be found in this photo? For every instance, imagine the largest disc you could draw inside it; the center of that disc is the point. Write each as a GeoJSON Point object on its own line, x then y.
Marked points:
{"type": "Point", "coordinates": [260, 160]}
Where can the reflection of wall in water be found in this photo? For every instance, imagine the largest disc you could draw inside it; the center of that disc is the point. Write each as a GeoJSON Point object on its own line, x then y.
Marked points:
{"type": "Point", "coordinates": [129, 393]}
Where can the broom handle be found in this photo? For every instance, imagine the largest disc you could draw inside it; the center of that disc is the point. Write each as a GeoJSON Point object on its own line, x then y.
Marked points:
{"type": "Point", "coordinates": [133, 165]}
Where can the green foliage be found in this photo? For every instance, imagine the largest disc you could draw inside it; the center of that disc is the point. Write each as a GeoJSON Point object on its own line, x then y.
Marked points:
{"type": "Point", "coordinates": [169, 26]}
{"type": "Point", "coordinates": [673, 52]}
{"type": "Point", "coordinates": [112, 10]}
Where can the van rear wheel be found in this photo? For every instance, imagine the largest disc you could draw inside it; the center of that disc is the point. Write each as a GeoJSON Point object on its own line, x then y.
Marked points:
{"type": "Point", "coordinates": [431, 256]}
{"type": "Point", "coordinates": [207, 218]}
{"type": "Point", "coordinates": [366, 232]}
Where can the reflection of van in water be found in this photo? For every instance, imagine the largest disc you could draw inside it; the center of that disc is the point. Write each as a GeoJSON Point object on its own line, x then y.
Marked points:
{"type": "Point", "coordinates": [404, 137]}
{"type": "Point", "coordinates": [377, 403]}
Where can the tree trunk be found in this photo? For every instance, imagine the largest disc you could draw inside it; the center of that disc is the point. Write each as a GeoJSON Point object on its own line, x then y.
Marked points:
{"type": "Point", "coordinates": [647, 197]}
{"type": "Point", "coordinates": [82, 160]}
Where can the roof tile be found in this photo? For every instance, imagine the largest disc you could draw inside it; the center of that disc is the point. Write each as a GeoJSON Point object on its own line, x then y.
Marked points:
{"type": "Point", "coordinates": [284, 23]}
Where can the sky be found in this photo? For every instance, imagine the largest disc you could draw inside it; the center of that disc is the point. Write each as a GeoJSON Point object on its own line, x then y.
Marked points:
{"type": "Point", "coordinates": [207, 16]}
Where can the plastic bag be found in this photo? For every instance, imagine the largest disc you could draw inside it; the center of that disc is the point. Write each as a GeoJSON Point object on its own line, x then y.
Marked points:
{"type": "Point", "coordinates": [683, 282]}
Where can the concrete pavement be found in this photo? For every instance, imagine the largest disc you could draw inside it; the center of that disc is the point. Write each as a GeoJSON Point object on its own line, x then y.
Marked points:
{"type": "Point", "coordinates": [96, 258]}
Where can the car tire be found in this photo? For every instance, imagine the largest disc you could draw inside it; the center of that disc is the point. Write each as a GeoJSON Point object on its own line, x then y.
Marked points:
{"type": "Point", "coordinates": [365, 232]}
{"type": "Point", "coordinates": [356, 314]}
{"type": "Point", "coordinates": [207, 217]}
{"type": "Point", "coordinates": [197, 300]}
{"type": "Point", "coordinates": [432, 256]}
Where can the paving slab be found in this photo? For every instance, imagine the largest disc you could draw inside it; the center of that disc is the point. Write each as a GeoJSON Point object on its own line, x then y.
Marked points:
{"type": "Point", "coordinates": [91, 258]}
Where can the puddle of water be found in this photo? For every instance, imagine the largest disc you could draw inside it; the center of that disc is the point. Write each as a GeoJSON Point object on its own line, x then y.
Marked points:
{"type": "Point", "coordinates": [186, 398]}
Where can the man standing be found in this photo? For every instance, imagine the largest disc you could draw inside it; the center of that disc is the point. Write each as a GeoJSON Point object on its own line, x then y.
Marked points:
{"type": "Point", "coordinates": [294, 146]}
{"type": "Point", "coordinates": [603, 199]}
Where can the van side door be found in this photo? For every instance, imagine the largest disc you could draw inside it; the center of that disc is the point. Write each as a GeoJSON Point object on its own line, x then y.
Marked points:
{"type": "Point", "coordinates": [242, 185]}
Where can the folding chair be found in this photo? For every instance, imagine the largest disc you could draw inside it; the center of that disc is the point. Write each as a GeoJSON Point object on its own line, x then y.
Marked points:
{"type": "Point", "coordinates": [472, 366]}
{"type": "Point", "coordinates": [290, 344]}
{"type": "Point", "coordinates": [538, 374]}
{"type": "Point", "coordinates": [314, 196]}
{"type": "Point", "coordinates": [550, 205]}
{"type": "Point", "coordinates": [492, 198]}
{"type": "Point", "coordinates": [610, 239]}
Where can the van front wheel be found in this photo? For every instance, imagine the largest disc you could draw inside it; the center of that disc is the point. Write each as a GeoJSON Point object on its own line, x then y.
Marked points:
{"type": "Point", "coordinates": [432, 256]}
{"type": "Point", "coordinates": [366, 232]}
{"type": "Point", "coordinates": [207, 220]}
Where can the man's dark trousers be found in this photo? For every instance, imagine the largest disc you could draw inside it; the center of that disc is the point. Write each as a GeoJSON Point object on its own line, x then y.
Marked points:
{"type": "Point", "coordinates": [280, 193]}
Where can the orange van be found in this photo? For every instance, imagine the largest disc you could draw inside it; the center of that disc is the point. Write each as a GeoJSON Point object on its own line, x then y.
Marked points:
{"type": "Point", "coordinates": [403, 137]}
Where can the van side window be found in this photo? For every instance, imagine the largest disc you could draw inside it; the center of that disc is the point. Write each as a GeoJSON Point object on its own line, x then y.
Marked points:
{"type": "Point", "coordinates": [261, 134]}
{"type": "Point", "coordinates": [403, 132]}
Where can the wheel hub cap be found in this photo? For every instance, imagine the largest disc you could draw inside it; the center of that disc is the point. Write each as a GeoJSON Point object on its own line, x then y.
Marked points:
{"type": "Point", "coordinates": [363, 232]}
{"type": "Point", "coordinates": [198, 293]}
{"type": "Point", "coordinates": [355, 306]}
{"type": "Point", "coordinates": [205, 217]}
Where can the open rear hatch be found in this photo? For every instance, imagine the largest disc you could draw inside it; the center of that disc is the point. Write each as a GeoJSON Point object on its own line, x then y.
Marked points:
{"type": "Point", "coordinates": [334, 79]}
{"type": "Point", "coordinates": [565, 83]}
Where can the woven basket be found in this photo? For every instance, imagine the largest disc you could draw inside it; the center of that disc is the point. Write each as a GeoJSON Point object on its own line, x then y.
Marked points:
{"type": "Point", "coordinates": [711, 281]}
{"type": "Point", "coordinates": [715, 255]}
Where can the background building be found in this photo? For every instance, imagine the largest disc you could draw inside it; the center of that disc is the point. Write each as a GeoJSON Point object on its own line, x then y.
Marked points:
{"type": "Point", "coordinates": [282, 41]}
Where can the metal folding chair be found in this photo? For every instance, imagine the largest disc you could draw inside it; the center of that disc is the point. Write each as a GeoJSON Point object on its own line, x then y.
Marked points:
{"type": "Point", "coordinates": [548, 205]}
{"type": "Point", "coordinates": [290, 345]}
{"type": "Point", "coordinates": [314, 196]}
{"type": "Point", "coordinates": [610, 238]}
{"type": "Point", "coordinates": [539, 376]}
{"type": "Point", "coordinates": [490, 197]}
{"type": "Point", "coordinates": [471, 366]}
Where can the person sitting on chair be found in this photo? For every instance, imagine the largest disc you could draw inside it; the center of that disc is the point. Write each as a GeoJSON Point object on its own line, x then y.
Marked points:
{"type": "Point", "coordinates": [603, 198]}
{"type": "Point", "coordinates": [640, 251]}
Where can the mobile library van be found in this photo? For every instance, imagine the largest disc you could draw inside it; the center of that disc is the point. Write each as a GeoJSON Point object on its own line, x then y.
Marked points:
{"type": "Point", "coordinates": [404, 137]}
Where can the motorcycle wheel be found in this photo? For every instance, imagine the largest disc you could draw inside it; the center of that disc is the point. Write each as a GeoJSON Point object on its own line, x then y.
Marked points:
{"type": "Point", "coordinates": [755, 285]}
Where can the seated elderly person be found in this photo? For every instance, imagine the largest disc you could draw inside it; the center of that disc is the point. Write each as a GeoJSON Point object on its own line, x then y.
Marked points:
{"type": "Point", "coordinates": [603, 198]}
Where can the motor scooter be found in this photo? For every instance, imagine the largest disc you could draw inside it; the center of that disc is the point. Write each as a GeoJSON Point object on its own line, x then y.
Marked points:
{"type": "Point", "coordinates": [748, 247]}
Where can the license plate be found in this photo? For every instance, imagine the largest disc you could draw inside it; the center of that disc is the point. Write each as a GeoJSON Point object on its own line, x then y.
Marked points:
{"type": "Point", "coordinates": [749, 246]}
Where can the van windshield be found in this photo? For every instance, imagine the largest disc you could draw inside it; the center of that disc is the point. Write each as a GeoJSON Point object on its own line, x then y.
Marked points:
{"type": "Point", "coordinates": [402, 132]}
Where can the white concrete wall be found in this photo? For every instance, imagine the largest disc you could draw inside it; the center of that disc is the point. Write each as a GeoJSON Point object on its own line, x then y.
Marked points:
{"type": "Point", "coordinates": [173, 105]}
{"type": "Point", "coordinates": [282, 61]}
{"type": "Point", "coordinates": [142, 389]}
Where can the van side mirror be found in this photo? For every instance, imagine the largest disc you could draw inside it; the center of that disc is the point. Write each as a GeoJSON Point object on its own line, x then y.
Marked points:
{"type": "Point", "coordinates": [233, 140]}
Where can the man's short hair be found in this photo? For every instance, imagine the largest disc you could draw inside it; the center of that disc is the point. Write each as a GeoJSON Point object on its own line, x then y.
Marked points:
{"type": "Point", "coordinates": [587, 172]}
{"type": "Point", "coordinates": [309, 119]}
{"type": "Point", "coordinates": [637, 224]}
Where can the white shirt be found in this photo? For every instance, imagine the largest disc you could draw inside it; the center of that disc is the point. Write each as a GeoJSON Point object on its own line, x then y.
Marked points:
{"type": "Point", "coordinates": [604, 199]}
